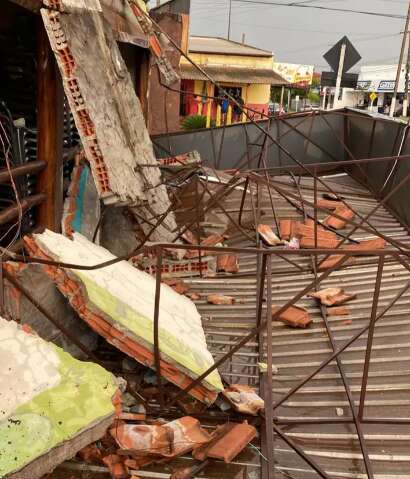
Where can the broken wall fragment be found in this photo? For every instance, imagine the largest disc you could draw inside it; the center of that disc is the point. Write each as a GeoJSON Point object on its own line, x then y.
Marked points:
{"type": "Point", "coordinates": [108, 115]}
{"type": "Point", "coordinates": [51, 404]}
{"type": "Point", "coordinates": [118, 302]}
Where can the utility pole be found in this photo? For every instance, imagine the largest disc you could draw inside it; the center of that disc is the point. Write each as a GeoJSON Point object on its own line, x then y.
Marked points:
{"type": "Point", "coordinates": [243, 38]}
{"type": "Point", "coordinates": [229, 19]}
{"type": "Point", "coordinates": [339, 74]}
{"type": "Point", "coordinates": [407, 78]}
{"type": "Point", "coordinates": [403, 46]}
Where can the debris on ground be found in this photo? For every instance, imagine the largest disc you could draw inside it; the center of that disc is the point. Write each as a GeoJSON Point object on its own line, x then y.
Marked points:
{"type": "Point", "coordinates": [268, 235]}
{"type": "Point", "coordinates": [332, 296]}
{"type": "Point", "coordinates": [244, 399]}
{"type": "Point", "coordinates": [228, 441]}
{"type": "Point", "coordinates": [166, 440]}
{"type": "Point", "coordinates": [227, 263]}
{"type": "Point", "coordinates": [293, 316]}
{"type": "Point", "coordinates": [220, 299]}
{"type": "Point", "coordinates": [344, 215]}
{"type": "Point", "coordinates": [338, 311]}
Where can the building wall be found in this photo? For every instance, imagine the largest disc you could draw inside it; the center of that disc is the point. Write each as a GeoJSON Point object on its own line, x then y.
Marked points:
{"type": "Point", "coordinates": [238, 60]}
{"type": "Point", "coordinates": [164, 104]}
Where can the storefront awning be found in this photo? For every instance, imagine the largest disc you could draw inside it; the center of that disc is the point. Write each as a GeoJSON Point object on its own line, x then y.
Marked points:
{"type": "Point", "coordinates": [233, 74]}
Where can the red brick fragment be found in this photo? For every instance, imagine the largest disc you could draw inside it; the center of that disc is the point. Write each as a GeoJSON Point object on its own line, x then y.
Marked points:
{"type": "Point", "coordinates": [167, 440]}
{"type": "Point", "coordinates": [344, 212]}
{"type": "Point", "coordinates": [268, 235]}
{"type": "Point", "coordinates": [220, 299]}
{"type": "Point", "coordinates": [227, 263]}
{"type": "Point", "coordinates": [232, 443]}
{"type": "Point", "coordinates": [212, 240]}
{"type": "Point", "coordinates": [329, 204]}
{"type": "Point", "coordinates": [321, 243]}
{"type": "Point", "coordinates": [293, 316]}
{"type": "Point", "coordinates": [287, 229]}
{"type": "Point", "coordinates": [116, 466]}
{"type": "Point", "coordinates": [347, 322]}
{"type": "Point", "coordinates": [90, 454]}
{"type": "Point", "coordinates": [377, 243]}
{"type": "Point", "coordinates": [338, 311]}
{"type": "Point", "coordinates": [244, 399]}
{"type": "Point", "coordinates": [189, 237]}
{"type": "Point", "coordinates": [333, 260]}
{"type": "Point", "coordinates": [332, 296]}
{"type": "Point", "coordinates": [129, 416]}
{"type": "Point", "coordinates": [178, 285]}
{"type": "Point", "coordinates": [308, 231]}
{"type": "Point", "coordinates": [194, 296]}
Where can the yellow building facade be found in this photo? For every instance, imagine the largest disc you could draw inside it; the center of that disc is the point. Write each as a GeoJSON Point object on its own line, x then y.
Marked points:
{"type": "Point", "coordinates": [245, 72]}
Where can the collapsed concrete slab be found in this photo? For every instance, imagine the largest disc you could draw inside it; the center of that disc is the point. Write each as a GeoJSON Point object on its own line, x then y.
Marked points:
{"type": "Point", "coordinates": [51, 405]}
{"type": "Point", "coordinates": [118, 302]}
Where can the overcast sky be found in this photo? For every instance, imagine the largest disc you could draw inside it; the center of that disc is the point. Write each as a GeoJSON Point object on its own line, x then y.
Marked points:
{"type": "Point", "coordinates": [303, 35]}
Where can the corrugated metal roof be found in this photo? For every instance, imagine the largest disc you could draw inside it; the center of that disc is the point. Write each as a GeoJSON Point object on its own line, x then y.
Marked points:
{"type": "Point", "coordinates": [222, 46]}
{"type": "Point", "coordinates": [297, 352]}
{"type": "Point", "coordinates": [233, 74]}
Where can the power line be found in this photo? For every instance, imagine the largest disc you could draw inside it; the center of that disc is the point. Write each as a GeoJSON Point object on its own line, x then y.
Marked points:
{"type": "Point", "coordinates": [319, 7]}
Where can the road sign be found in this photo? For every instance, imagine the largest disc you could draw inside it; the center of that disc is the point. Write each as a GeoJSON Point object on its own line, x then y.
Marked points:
{"type": "Point", "coordinates": [349, 80]}
{"type": "Point", "coordinates": [373, 96]}
{"type": "Point", "coordinates": [352, 56]}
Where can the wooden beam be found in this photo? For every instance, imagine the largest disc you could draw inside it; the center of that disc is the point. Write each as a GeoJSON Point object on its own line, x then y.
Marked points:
{"type": "Point", "coordinates": [50, 133]}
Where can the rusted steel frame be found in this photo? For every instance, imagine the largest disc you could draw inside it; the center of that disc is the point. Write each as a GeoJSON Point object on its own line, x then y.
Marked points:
{"type": "Point", "coordinates": [346, 345]}
{"type": "Point", "coordinates": [298, 207]}
{"type": "Point", "coordinates": [257, 329]}
{"type": "Point", "coordinates": [323, 183]}
{"type": "Point", "coordinates": [231, 219]}
{"type": "Point", "coordinates": [157, 352]}
{"type": "Point", "coordinates": [213, 145]}
{"type": "Point", "coordinates": [307, 143]}
{"type": "Point", "coordinates": [315, 262]}
{"type": "Point", "coordinates": [17, 258]}
{"type": "Point", "coordinates": [305, 216]}
{"type": "Point", "coordinates": [221, 144]}
{"type": "Point", "coordinates": [198, 227]}
{"type": "Point", "coordinates": [370, 336]}
{"type": "Point", "coordinates": [12, 212]}
{"type": "Point", "coordinates": [264, 156]}
{"type": "Point", "coordinates": [376, 208]}
{"type": "Point", "coordinates": [398, 244]}
{"type": "Point", "coordinates": [306, 137]}
{"type": "Point", "coordinates": [391, 175]}
{"type": "Point", "coordinates": [166, 121]}
{"type": "Point", "coordinates": [356, 420]}
{"type": "Point", "coordinates": [340, 420]}
{"type": "Point", "coordinates": [224, 190]}
{"type": "Point", "coordinates": [29, 168]}
{"type": "Point", "coordinates": [342, 142]}
{"type": "Point", "coordinates": [97, 228]}
{"type": "Point", "coordinates": [359, 161]}
{"type": "Point", "coordinates": [356, 116]}
{"type": "Point", "coordinates": [266, 389]}
{"type": "Point", "coordinates": [299, 451]}
{"type": "Point", "coordinates": [245, 190]}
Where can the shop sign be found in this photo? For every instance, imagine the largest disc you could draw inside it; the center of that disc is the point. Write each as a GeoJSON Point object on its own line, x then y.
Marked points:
{"type": "Point", "coordinates": [386, 85]}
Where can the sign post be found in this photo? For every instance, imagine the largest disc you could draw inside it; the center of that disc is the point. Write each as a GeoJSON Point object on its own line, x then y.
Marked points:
{"type": "Point", "coordinates": [339, 74]}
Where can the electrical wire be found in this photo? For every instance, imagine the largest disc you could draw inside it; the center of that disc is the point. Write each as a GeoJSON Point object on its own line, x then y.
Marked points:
{"type": "Point", "coordinates": [320, 7]}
